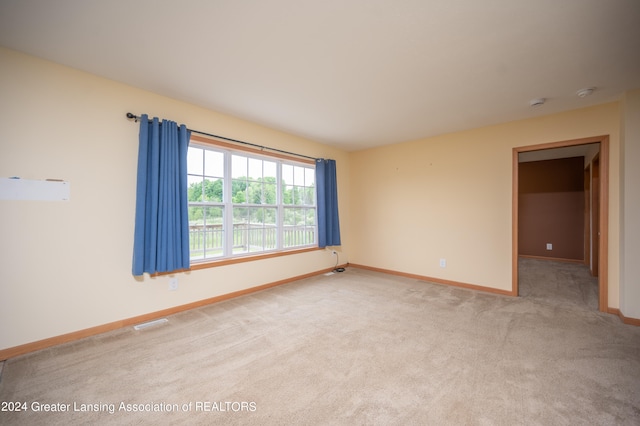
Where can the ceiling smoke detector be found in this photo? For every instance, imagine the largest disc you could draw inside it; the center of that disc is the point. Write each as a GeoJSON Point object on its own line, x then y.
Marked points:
{"type": "Point", "coordinates": [585, 92]}
{"type": "Point", "coordinates": [536, 102]}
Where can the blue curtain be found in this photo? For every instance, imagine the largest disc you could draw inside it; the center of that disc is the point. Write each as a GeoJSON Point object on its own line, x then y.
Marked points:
{"type": "Point", "coordinates": [327, 192]}
{"type": "Point", "coordinates": [161, 239]}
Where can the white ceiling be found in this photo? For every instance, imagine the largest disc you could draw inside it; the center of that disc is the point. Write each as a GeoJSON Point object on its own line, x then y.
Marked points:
{"type": "Point", "coordinates": [349, 73]}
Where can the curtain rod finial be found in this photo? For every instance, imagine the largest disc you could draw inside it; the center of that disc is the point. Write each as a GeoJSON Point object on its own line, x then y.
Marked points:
{"type": "Point", "coordinates": [132, 116]}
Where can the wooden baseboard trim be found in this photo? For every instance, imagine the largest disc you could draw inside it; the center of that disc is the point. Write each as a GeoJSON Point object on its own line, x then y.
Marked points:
{"type": "Point", "coordinates": [554, 259]}
{"type": "Point", "coordinates": [626, 320]}
{"type": "Point", "coordinates": [436, 280]}
{"type": "Point", "coordinates": [88, 332]}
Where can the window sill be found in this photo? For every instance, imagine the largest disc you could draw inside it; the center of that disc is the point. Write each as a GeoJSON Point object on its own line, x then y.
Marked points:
{"type": "Point", "coordinates": [205, 264]}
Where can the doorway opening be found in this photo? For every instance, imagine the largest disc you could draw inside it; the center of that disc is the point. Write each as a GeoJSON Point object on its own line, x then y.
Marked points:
{"type": "Point", "coordinates": [596, 207]}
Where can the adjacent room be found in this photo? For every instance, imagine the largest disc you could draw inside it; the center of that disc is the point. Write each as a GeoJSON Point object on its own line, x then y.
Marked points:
{"type": "Point", "coordinates": [385, 213]}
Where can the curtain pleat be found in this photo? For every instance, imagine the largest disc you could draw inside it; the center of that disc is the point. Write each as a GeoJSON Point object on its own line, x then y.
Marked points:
{"type": "Point", "coordinates": [161, 236]}
{"type": "Point", "coordinates": [327, 193]}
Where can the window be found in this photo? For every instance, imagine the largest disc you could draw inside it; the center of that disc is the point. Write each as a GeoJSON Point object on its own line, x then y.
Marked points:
{"type": "Point", "coordinates": [243, 203]}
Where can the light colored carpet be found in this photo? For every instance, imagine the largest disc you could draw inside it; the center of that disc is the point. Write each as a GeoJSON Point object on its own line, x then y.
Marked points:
{"type": "Point", "coordinates": [354, 348]}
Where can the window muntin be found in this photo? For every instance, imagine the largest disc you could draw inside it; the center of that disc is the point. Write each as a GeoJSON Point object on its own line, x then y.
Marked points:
{"type": "Point", "coordinates": [299, 205]}
{"type": "Point", "coordinates": [243, 203]}
{"type": "Point", "coordinates": [206, 232]}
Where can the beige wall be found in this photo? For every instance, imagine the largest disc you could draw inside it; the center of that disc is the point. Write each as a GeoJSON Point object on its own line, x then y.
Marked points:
{"type": "Point", "coordinates": [449, 197]}
{"type": "Point", "coordinates": [630, 202]}
{"type": "Point", "coordinates": [66, 266]}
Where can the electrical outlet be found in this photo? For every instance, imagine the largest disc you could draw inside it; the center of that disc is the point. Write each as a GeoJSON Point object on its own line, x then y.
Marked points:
{"type": "Point", "coordinates": [173, 284]}
{"type": "Point", "coordinates": [443, 263]}
{"type": "Point", "coordinates": [549, 246]}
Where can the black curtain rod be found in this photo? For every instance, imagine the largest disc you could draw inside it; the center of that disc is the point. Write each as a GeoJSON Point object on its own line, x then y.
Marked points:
{"type": "Point", "coordinates": [131, 116]}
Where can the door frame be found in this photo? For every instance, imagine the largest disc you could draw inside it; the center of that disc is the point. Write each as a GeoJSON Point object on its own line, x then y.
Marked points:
{"type": "Point", "coordinates": [603, 245]}
{"type": "Point", "coordinates": [594, 265]}
{"type": "Point", "coordinates": [587, 216]}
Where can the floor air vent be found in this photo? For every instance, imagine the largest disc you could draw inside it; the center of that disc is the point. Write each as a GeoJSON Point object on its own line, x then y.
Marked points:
{"type": "Point", "coordinates": [150, 324]}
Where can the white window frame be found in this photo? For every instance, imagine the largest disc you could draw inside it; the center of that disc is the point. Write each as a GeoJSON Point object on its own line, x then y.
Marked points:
{"type": "Point", "coordinates": [228, 206]}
